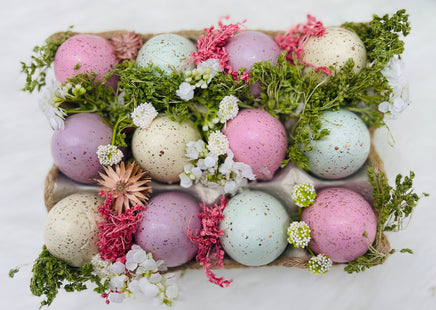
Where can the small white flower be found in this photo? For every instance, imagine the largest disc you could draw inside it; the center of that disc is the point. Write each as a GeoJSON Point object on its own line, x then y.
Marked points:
{"type": "Point", "coordinates": [148, 289]}
{"type": "Point", "coordinates": [218, 143]}
{"type": "Point", "coordinates": [121, 98]}
{"type": "Point", "coordinates": [172, 292]}
{"type": "Point", "coordinates": [118, 283]}
{"type": "Point", "coordinates": [116, 297]}
{"type": "Point", "coordinates": [185, 91]}
{"type": "Point", "coordinates": [319, 264]}
{"type": "Point", "coordinates": [213, 64]}
{"type": "Point", "coordinates": [161, 266]}
{"type": "Point", "coordinates": [149, 264]}
{"type": "Point", "coordinates": [185, 181]}
{"type": "Point", "coordinates": [51, 110]}
{"type": "Point", "coordinates": [228, 108]}
{"type": "Point", "coordinates": [135, 256]}
{"type": "Point", "coordinates": [101, 267]}
{"type": "Point", "coordinates": [118, 268]}
{"type": "Point", "coordinates": [109, 155]}
{"type": "Point", "coordinates": [155, 278]}
{"type": "Point", "coordinates": [230, 187]}
{"type": "Point", "coordinates": [194, 149]}
{"type": "Point", "coordinates": [63, 90]}
{"type": "Point", "coordinates": [243, 170]}
{"type": "Point", "coordinates": [143, 115]}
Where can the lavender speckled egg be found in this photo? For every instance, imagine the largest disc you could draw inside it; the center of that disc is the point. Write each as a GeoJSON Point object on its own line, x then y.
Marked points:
{"type": "Point", "coordinates": [167, 51]}
{"type": "Point", "coordinates": [334, 48]}
{"type": "Point", "coordinates": [85, 54]}
{"type": "Point", "coordinates": [259, 140]}
{"type": "Point", "coordinates": [254, 226]}
{"type": "Point", "coordinates": [249, 47]}
{"type": "Point", "coordinates": [161, 148]}
{"type": "Point", "coordinates": [163, 228]}
{"type": "Point", "coordinates": [344, 150]}
{"type": "Point", "coordinates": [338, 220]}
{"type": "Point", "coordinates": [70, 229]}
{"type": "Point", "coordinates": [74, 147]}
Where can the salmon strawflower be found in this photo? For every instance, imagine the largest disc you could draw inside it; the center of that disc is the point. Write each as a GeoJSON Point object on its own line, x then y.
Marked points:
{"type": "Point", "coordinates": [127, 183]}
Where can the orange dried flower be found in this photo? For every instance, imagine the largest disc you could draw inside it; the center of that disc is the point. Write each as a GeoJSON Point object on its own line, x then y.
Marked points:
{"type": "Point", "coordinates": [127, 183]}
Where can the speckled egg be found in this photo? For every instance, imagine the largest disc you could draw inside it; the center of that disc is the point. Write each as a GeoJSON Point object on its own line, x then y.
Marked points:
{"type": "Point", "coordinates": [334, 48]}
{"type": "Point", "coordinates": [249, 47]}
{"type": "Point", "coordinates": [85, 54]}
{"type": "Point", "coordinates": [338, 220]}
{"type": "Point", "coordinates": [259, 140]}
{"type": "Point", "coordinates": [163, 228]}
{"type": "Point", "coordinates": [161, 148]}
{"type": "Point", "coordinates": [167, 51]}
{"type": "Point", "coordinates": [70, 229]}
{"type": "Point", "coordinates": [344, 150]}
{"type": "Point", "coordinates": [254, 226]}
{"type": "Point", "coordinates": [74, 147]}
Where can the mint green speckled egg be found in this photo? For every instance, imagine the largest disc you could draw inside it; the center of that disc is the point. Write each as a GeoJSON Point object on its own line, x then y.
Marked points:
{"type": "Point", "coordinates": [167, 51]}
{"type": "Point", "coordinates": [344, 150]}
{"type": "Point", "coordinates": [254, 226]}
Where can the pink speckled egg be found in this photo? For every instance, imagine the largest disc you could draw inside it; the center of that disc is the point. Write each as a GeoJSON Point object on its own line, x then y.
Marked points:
{"type": "Point", "coordinates": [249, 47]}
{"type": "Point", "coordinates": [85, 54]}
{"type": "Point", "coordinates": [338, 220]}
{"type": "Point", "coordinates": [163, 228]}
{"type": "Point", "coordinates": [259, 140]}
{"type": "Point", "coordinates": [74, 147]}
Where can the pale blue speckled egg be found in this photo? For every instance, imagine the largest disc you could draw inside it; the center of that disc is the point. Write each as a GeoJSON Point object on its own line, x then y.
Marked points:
{"type": "Point", "coordinates": [344, 150]}
{"type": "Point", "coordinates": [167, 51]}
{"type": "Point", "coordinates": [254, 226]}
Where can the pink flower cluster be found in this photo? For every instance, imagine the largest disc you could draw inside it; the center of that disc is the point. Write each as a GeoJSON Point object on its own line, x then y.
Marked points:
{"type": "Point", "coordinates": [294, 40]}
{"type": "Point", "coordinates": [127, 45]}
{"type": "Point", "coordinates": [212, 46]}
{"type": "Point", "coordinates": [208, 240]}
{"type": "Point", "coordinates": [116, 231]}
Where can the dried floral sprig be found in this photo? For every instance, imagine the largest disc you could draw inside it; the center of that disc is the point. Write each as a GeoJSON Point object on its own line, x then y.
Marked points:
{"type": "Point", "coordinates": [208, 240]}
{"type": "Point", "coordinates": [127, 183]}
{"type": "Point", "coordinates": [294, 39]}
{"type": "Point", "coordinates": [116, 230]}
{"type": "Point", "coordinates": [127, 45]}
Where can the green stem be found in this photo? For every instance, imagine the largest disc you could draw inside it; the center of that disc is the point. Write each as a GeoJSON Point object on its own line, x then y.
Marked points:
{"type": "Point", "coordinates": [310, 251]}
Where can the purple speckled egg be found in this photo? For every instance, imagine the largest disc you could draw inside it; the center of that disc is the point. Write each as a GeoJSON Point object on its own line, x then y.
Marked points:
{"type": "Point", "coordinates": [85, 54]}
{"type": "Point", "coordinates": [338, 220]}
{"type": "Point", "coordinates": [249, 47]}
{"type": "Point", "coordinates": [163, 228]}
{"type": "Point", "coordinates": [259, 140]}
{"type": "Point", "coordinates": [74, 147]}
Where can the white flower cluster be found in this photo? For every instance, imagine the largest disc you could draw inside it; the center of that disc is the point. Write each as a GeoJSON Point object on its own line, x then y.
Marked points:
{"type": "Point", "coordinates": [399, 99]}
{"type": "Point", "coordinates": [198, 78]}
{"type": "Point", "coordinates": [228, 108]}
{"type": "Point", "coordinates": [299, 234]}
{"type": "Point", "coordinates": [319, 264]}
{"type": "Point", "coordinates": [143, 115]}
{"type": "Point", "coordinates": [140, 274]}
{"type": "Point", "coordinates": [109, 155]}
{"type": "Point", "coordinates": [303, 194]}
{"type": "Point", "coordinates": [213, 165]}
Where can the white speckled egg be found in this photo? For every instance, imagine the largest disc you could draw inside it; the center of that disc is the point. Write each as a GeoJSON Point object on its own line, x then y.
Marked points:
{"type": "Point", "coordinates": [70, 230]}
{"type": "Point", "coordinates": [166, 51]}
{"type": "Point", "coordinates": [334, 48]}
{"type": "Point", "coordinates": [161, 147]}
{"type": "Point", "coordinates": [344, 150]}
{"type": "Point", "coordinates": [254, 227]}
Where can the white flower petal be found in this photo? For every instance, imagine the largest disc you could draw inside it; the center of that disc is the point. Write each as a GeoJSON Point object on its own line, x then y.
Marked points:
{"type": "Point", "coordinates": [155, 278]}
{"type": "Point", "coordinates": [185, 91]}
{"type": "Point", "coordinates": [172, 292]}
{"type": "Point", "coordinates": [118, 267]}
{"type": "Point", "coordinates": [148, 289]}
{"type": "Point", "coordinates": [116, 297]}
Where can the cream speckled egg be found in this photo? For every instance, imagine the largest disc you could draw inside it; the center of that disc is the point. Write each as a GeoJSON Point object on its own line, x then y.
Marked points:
{"type": "Point", "coordinates": [334, 48]}
{"type": "Point", "coordinates": [70, 230]}
{"type": "Point", "coordinates": [167, 51]}
{"type": "Point", "coordinates": [344, 150]}
{"type": "Point", "coordinates": [254, 226]}
{"type": "Point", "coordinates": [161, 147]}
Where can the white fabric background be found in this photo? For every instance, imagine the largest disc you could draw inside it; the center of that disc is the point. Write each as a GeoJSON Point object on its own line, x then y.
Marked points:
{"type": "Point", "coordinates": [403, 282]}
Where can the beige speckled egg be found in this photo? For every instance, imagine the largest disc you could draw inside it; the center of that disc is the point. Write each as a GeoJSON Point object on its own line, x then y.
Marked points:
{"type": "Point", "coordinates": [161, 147]}
{"type": "Point", "coordinates": [334, 48]}
{"type": "Point", "coordinates": [70, 230]}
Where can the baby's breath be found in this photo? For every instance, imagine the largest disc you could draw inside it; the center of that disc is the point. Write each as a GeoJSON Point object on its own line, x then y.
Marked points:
{"type": "Point", "coordinates": [304, 195]}
{"type": "Point", "coordinates": [143, 115]}
{"type": "Point", "coordinates": [299, 234]}
{"type": "Point", "coordinates": [109, 155]}
{"type": "Point", "coordinates": [319, 264]}
{"type": "Point", "coordinates": [228, 108]}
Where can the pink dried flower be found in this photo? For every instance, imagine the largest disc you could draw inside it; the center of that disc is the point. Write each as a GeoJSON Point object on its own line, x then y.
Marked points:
{"type": "Point", "coordinates": [212, 46]}
{"type": "Point", "coordinates": [294, 40]}
{"type": "Point", "coordinates": [116, 231]}
{"type": "Point", "coordinates": [208, 240]}
{"type": "Point", "coordinates": [127, 45]}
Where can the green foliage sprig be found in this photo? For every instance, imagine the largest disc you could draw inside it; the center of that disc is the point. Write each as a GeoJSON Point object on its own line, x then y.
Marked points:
{"type": "Point", "coordinates": [393, 206]}
{"type": "Point", "coordinates": [44, 56]}
{"type": "Point", "coordinates": [51, 274]}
